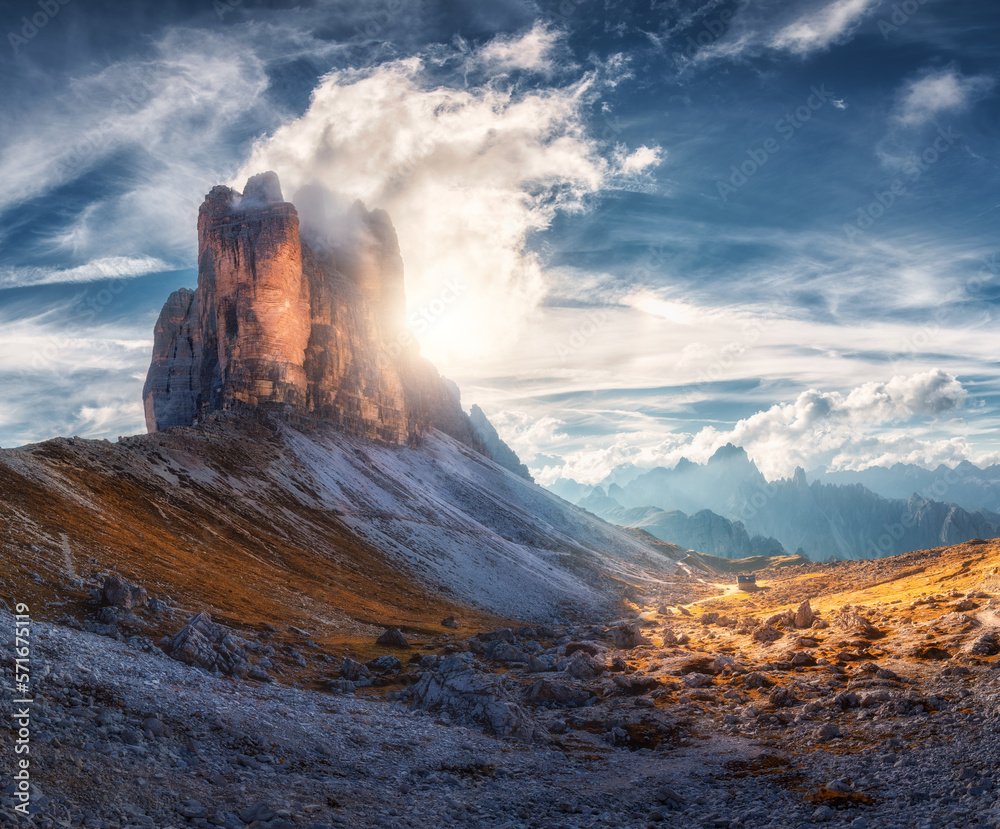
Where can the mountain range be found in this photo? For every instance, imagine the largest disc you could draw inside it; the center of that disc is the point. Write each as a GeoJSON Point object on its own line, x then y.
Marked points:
{"type": "Point", "coordinates": [965, 484]}
{"type": "Point", "coordinates": [727, 507]}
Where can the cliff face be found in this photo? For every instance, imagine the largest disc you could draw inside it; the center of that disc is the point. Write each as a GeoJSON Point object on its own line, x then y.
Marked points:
{"type": "Point", "coordinates": [305, 330]}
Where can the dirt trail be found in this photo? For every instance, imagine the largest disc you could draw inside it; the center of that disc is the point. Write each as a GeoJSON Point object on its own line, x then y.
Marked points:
{"type": "Point", "coordinates": [727, 590]}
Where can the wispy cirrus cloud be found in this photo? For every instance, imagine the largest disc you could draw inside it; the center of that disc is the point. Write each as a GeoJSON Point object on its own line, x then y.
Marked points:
{"type": "Point", "coordinates": [821, 27]}
{"type": "Point", "coordinates": [110, 267]}
{"type": "Point", "coordinates": [797, 29]}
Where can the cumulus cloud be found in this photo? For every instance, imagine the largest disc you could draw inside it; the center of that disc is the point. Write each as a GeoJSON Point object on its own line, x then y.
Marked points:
{"type": "Point", "coordinates": [936, 92]}
{"type": "Point", "coordinates": [532, 51]}
{"type": "Point", "coordinates": [874, 423]}
{"type": "Point", "coordinates": [467, 172]}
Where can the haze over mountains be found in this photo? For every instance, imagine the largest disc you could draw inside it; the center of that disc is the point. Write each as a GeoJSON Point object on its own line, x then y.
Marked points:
{"type": "Point", "coordinates": [727, 507]}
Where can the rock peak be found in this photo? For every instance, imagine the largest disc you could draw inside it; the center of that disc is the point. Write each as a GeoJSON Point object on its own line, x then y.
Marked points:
{"type": "Point", "coordinates": [314, 335]}
{"type": "Point", "coordinates": [262, 190]}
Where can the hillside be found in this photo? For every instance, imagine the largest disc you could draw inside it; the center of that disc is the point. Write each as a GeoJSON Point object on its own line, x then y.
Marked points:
{"type": "Point", "coordinates": [264, 523]}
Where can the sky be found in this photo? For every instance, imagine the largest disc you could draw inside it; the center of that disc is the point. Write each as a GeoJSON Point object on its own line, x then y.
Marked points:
{"type": "Point", "coordinates": [660, 226]}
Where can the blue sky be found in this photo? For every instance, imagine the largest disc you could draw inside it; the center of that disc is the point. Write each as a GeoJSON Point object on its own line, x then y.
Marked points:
{"type": "Point", "coordinates": [673, 224]}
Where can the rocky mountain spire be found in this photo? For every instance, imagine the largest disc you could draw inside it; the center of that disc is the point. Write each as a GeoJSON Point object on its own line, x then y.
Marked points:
{"type": "Point", "coordinates": [306, 325]}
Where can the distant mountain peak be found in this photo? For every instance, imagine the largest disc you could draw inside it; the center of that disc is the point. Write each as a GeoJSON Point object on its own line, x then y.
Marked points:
{"type": "Point", "coordinates": [729, 453]}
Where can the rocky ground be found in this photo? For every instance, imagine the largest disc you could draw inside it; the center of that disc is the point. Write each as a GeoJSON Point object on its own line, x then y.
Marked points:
{"type": "Point", "coordinates": [859, 694]}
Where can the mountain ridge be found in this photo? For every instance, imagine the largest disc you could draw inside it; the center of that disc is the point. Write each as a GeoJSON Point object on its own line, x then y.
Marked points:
{"type": "Point", "coordinates": [841, 521]}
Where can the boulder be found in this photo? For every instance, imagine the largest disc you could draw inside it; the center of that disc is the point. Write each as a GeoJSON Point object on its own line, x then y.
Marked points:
{"type": "Point", "coordinates": [353, 670]}
{"type": "Point", "coordinates": [470, 696]}
{"type": "Point", "coordinates": [581, 665]}
{"type": "Point", "coordinates": [392, 638]}
{"type": "Point", "coordinates": [556, 693]}
{"type": "Point", "coordinates": [211, 646]}
{"type": "Point", "coordinates": [987, 644]}
{"type": "Point", "coordinates": [387, 664]}
{"type": "Point", "coordinates": [628, 636]}
{"type": "Point", "coordinates": [505, 653]}
{"type": "Point", "coordinates": [766, 633]}
{"type": "Point", "coordinates": [804, 616]}
{"type": "Point", "coordinates": [117, 592]}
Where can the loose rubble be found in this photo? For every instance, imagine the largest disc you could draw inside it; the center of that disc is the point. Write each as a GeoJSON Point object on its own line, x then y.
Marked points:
{"type": "Point", "coordinates": [749, 710]}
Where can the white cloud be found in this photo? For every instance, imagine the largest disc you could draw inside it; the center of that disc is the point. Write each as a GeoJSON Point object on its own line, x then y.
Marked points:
{"type": "Point", "coordinates": [799, 28]}
{"type": "Point", "coordinates": [639, 160]}
{"type": "Point", "coordinates": [168, 115]}
{"type": "Point", "coordinates": [874, 423]}
{"type": "Point", "coordinates": [99, 421]}
{"type": "Point", "coordinates": [937, 92]}
{"type": "Point", "coordinates": [822, 27]}
{"type": "Point", "coordinates": [532, 51]}
{"type": "Point", "coordinates": [111, 267]}
{"type": "Point", "coordinates": [466, 174]}
{"type": "Point", "coordinates": [81, 358]}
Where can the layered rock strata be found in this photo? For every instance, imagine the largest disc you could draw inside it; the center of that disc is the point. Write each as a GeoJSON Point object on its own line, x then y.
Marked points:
{"type": "Point", "coordinates": [309, 329]}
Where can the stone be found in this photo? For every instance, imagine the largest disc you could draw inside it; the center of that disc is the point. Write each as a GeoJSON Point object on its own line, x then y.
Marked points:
{"type": "Point", "coordinates": [628, 636]}
{"type": "Point", "coordinates": [827, 732]}
{"type": "Point", "coordinates": [581, 665]}
{"type": "Point", "coordinates": [988, 644]}
{"type": "Point", "coordinates": [557, 692]}
{"type": "Point", "coordinates": [258, 811]}
{"type": "Point", "coordinates": [387, 664]}
{"type": "Point", "coordinates": [458, 688]}
{"type": "Point", "coordinates": [696, 680]}
{"type": "Point", "coordinates": [353, 670]}
{"type": "Point", "coordinates": [930, 652]}
{"type": "Point", "coordinates": [159, 607]}
{"type": "Point", "coordinates": [804, 616]}
{"type": "Point", "coordinates": [303, 315]}
{"type": "Point", "coordinates": [451, 622]}
{"type": "Point", "coordinates": [637, 685]}
{"type": "Point", "coordinates": [755, 679]}
{"type": "Point", "coordinates": [537, 665]}
{"type": "Point", "coordinates": [851, 620]}
{"type": "Point", "coordinates": [210, 646]}
{"type": "Point", "coordinates": [192, 809]}
{"type": "Point", "coordinates": [117, 592]}
{"type": "Point", "coordinates": [506, 653]}
{"type": "Point", "coordinates": [392, 638]}
{"type": "Point", "coordinates": [766, 633]}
